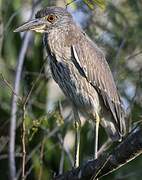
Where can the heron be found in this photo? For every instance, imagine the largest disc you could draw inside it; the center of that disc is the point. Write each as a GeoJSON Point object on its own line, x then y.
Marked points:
{"type": "Point", "coordinates": [80, 69]}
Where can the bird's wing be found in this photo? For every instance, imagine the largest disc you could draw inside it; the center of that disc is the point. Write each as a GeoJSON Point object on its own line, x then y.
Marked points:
{"type": "Point", "coordinates": [91, 63]}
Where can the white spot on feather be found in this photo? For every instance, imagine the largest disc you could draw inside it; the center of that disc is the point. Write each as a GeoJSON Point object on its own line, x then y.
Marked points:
{"type": "Point", "coordinates": [76, 56]}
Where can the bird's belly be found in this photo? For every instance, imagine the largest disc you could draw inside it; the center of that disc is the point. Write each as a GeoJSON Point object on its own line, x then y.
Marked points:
{"type": "Point", "coordinates": [75, 87]}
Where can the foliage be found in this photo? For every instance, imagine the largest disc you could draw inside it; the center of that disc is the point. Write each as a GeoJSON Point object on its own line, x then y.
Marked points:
{"type": "Point", "coordinates": [91, 4]}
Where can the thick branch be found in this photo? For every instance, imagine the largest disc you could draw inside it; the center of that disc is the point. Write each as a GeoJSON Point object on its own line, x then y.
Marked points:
{"type": "Point", "coordinates": [126, 151]}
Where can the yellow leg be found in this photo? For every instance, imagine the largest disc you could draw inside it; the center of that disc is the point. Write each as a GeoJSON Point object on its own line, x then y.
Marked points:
{"type": "Point", "coordinates": [77, 145]}
{"type": "Point", "coordinates": [96, 136]}
{"type": "Point", "coordinates": [77, 139]}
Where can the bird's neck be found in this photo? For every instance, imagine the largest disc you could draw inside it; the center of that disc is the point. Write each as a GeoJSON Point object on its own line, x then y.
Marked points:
{"type": "Point", "coordinates": [59, 40]}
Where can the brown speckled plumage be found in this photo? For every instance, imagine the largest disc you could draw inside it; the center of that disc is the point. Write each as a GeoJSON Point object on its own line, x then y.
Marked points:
{"type": "Point", "coordinates": [79, 67]}
{"type": "Point", "coordinates": [82, 72]}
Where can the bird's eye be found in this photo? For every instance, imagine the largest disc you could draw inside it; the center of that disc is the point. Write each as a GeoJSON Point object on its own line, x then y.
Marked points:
{"type": "Point", "coordinates": [51, 18]}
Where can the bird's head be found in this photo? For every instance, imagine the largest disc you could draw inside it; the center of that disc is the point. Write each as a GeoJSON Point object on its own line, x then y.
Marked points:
{"type": "Point", "coordinates": [46, 19]}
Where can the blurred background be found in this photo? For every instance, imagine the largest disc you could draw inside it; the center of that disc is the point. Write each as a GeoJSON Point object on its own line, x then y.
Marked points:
{"type": "Point", "coordinates": [116, 26]}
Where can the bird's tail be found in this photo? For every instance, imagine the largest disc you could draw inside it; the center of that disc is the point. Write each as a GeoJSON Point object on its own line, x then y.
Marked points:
{"type": "Point", "coordinates": [112, 129]}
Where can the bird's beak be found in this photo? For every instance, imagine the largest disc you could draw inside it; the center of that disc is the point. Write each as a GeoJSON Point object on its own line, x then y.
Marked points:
{"type": "Point", "coordinates": [37, 25]}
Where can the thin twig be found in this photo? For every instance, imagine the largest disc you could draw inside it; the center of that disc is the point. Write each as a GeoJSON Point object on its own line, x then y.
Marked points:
{"type": "Point", "coordinates": [34, 84]}
{"type": "Point", "coordinates": [9, 86]}
{"type": "Point", "coordinates": [49, 135]}
{"type": "Point", "coordinates": [22, 53]}
{"type": "Point", "coordinates": [134, 55]}
{"type": "Point", "coordinates": [29, 171]}
{"type": "Point", "coordinates": [3, 142]}
{"type": "Point", "coordinates": [69, 3]}
{"type": "Point", "coordinates": [65, 150]}
{"type": "Point", "coordinates": [19, 68]}
{"type": "Point", "coordinates": [23, 122]}
{"type": "Point", "coordinates": [61, 166]}
{"type": "Point", "coordinates": [23, 143]}
{"type": "Point", "coordinates": [119, 50]}
{"type": "Point", "coordinates": [104, 147]}
{"type": "Point", "coordinates": [133, 99]}
{"type": "Point", "coordinates": [41, 159]}
{"type": "Point", "coordinates": [5, 156]}
{"type": "Point", "coordinates": [29, 73]}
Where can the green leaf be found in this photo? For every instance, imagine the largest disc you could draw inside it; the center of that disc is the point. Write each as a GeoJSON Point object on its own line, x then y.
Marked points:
{"type": "Point", "coordinates": [91, 3]}
{"type": "Point", "coordinates": [72, 4]}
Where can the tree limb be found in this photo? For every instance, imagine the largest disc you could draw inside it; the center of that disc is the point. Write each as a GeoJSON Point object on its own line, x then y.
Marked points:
{"type": "Point", "coordinates": [127, 150]}
{"type": "Point", "coordinates": [14, 108]}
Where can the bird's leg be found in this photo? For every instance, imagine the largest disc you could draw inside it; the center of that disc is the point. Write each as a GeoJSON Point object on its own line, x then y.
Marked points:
{"type": "Point", "coordinates": [96, 136]}
{"type": "Point", "coordinates": [77, 139]}
{"type": "Point", "coordinates": [77, 145]}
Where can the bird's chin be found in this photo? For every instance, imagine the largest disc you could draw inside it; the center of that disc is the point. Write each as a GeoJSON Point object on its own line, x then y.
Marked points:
{"type": "Point", "coordinates": [40, 29]}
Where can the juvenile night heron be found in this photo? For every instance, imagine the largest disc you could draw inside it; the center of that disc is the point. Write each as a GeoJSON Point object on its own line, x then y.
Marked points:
{"type": "Point", "coordinates": [80, 69]}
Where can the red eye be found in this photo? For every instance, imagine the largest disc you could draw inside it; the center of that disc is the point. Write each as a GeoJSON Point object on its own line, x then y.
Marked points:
{"type": "Point", "coordinates": [51, 18]}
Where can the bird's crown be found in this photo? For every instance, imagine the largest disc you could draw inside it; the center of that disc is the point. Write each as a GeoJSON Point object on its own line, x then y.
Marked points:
{"type": "Point", "coordinates": [52, 10]}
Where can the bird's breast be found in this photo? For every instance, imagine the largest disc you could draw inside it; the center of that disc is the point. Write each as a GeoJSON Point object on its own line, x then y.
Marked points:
{"type": "Point", "coordinates": [74, 86]}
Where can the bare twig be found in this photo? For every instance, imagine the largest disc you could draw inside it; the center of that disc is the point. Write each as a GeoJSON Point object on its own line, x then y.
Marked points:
{"type": "Point", "coordinates": [5, 156]}
{"type": "Point", "coordinates": [14, 106]}
{"type": "Point", "coordinates": [41, 159]}
{"type": "Point", "coordinates": [34, 84]}
{"type": "Point", "coordinates": [134, 55]}
{"type": "Point", "coordinates": [3, 143]}
{"type": "Point", "coordinates": [49, 135]}
{"type": "Point", "coordinates": [61, 166]}
{"type": "Point", "coordinates": [21, 57]}
{"type": "Point", "coordinates": [23, 144]}
{"type": "Point", "coordinates": [104, 147]}
{"type": "Point", "coordinates": [46, 137]}
{"type": "Point", "coordinates": [119, 50]}
{"type": "Point", "coordinates": [10, 86]}
{"type": "Point", "coordinates": [69, 3]}
{"type": "Point", "coordinates": [23, 122]}
{"type": "Point", "coordinates": [133, 99]}
{"type": "Point", "coordinates": [9, 21]}
{"type": "Point", "coordinates": [29, 73]}
{"type": "Point", "coordinates": [69, 156]}
{"type": "Point", "coordinates": [29, 171]}
{"type": "Point", "coordinates": [65, 150]}
{"type": "Point", "coordinates": [14, 102]}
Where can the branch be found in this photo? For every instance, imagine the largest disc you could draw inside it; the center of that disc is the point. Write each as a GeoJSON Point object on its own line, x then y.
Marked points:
{"type": "Point", "coordinates": [27, 37]}
{"type": "Point", "coordinates": [127, 150]}
{"type": "Point", "coordinates": [14, 106]}
{"type": "Point", "coordinates": [9, 86]}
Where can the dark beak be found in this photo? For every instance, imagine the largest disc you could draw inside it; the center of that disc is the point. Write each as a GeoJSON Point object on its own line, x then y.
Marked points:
{"type": "Point", "coordinates": [33, 25]}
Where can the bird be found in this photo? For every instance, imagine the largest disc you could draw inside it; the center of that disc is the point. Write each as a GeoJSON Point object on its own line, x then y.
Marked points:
{"type": "Point", "coordinates": [79, 67]}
